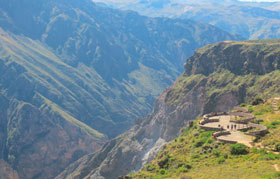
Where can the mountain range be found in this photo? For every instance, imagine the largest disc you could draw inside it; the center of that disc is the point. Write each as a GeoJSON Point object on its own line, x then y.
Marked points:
{"type": "Point", "coordinates": [252, 20]}
{"type": "Point", "coordinates": [75, 74]}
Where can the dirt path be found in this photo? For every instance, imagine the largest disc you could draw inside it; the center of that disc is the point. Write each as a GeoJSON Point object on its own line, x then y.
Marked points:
{"type": "Point", "coordinates": [274, 104]}
{"type": "Point", "coordinates": [276, 167]}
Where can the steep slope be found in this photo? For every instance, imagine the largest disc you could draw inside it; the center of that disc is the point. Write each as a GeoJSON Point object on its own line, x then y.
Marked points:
{"type": "Point", "coordinates": [216, 78]}
{"type": "Point", "coordinates": [38, 137]}
{"type": "Point", "coordinates": [195, 154]}
{"type": "Point", "coordinates": [134, 57]}
{"type": "Point", "coordinates": [252, 20]}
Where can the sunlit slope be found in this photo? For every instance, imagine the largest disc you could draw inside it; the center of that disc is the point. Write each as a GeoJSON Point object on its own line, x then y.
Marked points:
{"type": "Point", "coordinates": [39, 95]}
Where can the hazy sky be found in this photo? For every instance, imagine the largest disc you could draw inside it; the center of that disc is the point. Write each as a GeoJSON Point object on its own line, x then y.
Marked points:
{"type": "Point", "coordinates": [127, 1]}
{"type": "Point", "coordinates": [131, 1]}
{"type": "Point", "coordinates": [262, 0]}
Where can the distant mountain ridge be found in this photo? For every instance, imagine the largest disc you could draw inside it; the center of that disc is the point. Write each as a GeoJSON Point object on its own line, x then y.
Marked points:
{"type": "Point", "coordinates": [252, 20]}
{"type": "Point", "coordinates": [74, 74]}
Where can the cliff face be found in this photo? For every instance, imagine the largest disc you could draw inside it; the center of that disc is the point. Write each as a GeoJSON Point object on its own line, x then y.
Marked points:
{"type": "Point", "coordinates": [213, 81]}
{"type": "Point", "coordinates": [240, 58]}
{"type": "Point", "coordinates": [38, 138]}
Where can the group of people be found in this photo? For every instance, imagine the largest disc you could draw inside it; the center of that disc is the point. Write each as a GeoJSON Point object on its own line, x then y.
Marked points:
{"type": "Point", "coordinates": [232, 127]}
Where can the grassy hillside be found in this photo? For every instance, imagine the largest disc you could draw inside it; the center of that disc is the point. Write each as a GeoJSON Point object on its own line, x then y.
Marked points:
{"type": "Point", "coordinates": [247, 86]}
{"type": "Point", "coordinates": [195, 154]}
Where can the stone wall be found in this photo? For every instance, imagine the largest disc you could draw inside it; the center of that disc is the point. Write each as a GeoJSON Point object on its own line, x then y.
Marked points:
{"type": "Point", "coordinates": [249, 117]}
{"type": "Point", "coordinates": [218, 134]}
{"type": "Point", "coordinates": [227, 141]}
{"type": "Point", "coordinates": [263, 130]}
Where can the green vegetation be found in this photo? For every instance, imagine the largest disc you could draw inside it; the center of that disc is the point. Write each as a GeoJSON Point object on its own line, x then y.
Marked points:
{"type": "Point", "coordinates": [216, 75]}
{"type": "Point", "coordinates": [238, 149]}
{"type": "Point", "coordinates": [195, 154]}
{"type": "Point", "coordinates": [219, 83]}
{"type": "Point", "coordinates": [182, 86]}
{"type": "Point", "coordinates": [257, 101]}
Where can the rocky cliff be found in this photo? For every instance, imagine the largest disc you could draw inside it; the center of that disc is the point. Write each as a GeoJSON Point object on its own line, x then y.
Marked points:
{"type": "Point", "coordinates": [38, 138]}
{"type": "Point", "coordinates": [216, 78]}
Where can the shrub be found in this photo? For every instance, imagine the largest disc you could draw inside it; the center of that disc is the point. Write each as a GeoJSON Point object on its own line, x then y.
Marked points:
{"type": "Point", "coordinates": [195, 156]}
{"type": "Point", "coordinates": [183, 170]}
{"type": "Point", "coordinates": [258, 113]}
{"type": "Point", "coordinates": [183, 165]}
{"type": "Point", "coordinates": [257, 139]}
{"type": "Point", "coordinates": [242, 105]}
{"type": "Point", "coordinates": [163, 163]}
{"type": "Point", "coordinates": [210, 141]}
{"type": "Point", "coordinates": [269, 156]}
{"type": "Point", "coordinates": [259, 120]}
{"type": "Point", "coordinates": [273, 124]}
{"type": "Point", "coordinates": [221, 160]}
{"type": "Point", "coordinates": [150, 168]}
{"type": "Point", "coordinates": [162, 171]}
{"type": "Point", "coordinates": [199, 144]}
{"type": "Point", "coordinates": [277, 147]}
{"type": "Point", "coordinates": [206, 134]}
{"type": "Point", "coordinates": [188, 166]}
{"type": "Point", "coordinates": [238, 149]}
{"type": "Point", "coordinates": [277, 174]}
{"type": "Point", "coordinates": [254, 150]}
{"type": "Point", "coordinates": [217, 153]}
{"type": "Point", "coordinates": [225, 156]}
{"type": "Point", "coordinates": [250, 109]}
{"type": "Point", "coordinates": [257, 101]}
{"type": "Point", "coordinates": [263, 151]}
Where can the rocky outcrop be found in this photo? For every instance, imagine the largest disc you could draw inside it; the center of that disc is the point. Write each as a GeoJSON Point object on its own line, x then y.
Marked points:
{"type": "Point", "coordinates": [240, 58]}
{"type": "Point", "coordinates": [192, 95]}
{"type": "Point", "coordinates": [6, 171]}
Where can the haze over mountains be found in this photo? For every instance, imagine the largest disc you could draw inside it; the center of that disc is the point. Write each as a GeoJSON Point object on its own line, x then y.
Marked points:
{"type": "Point", "coordinates": [249, 19]}
{"type": "Point", "coordinates": [74, 74]}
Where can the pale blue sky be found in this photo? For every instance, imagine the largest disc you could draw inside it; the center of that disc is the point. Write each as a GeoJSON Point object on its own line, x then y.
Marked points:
{"type": "Point", "coordinates": [131, 1]}
{"type": "Point", "coordinates": [261, 0]}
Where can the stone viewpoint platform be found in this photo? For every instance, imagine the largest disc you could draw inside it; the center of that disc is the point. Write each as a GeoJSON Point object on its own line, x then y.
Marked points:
{"type": "Point", "coordinates": [233, 127]}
